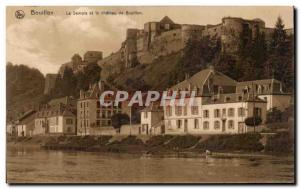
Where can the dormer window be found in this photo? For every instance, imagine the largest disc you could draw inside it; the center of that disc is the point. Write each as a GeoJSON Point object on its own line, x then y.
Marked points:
{"type": "Point", "coordinates": [227, 99]}
{"type": "Point", "coordinates": [240, 98]}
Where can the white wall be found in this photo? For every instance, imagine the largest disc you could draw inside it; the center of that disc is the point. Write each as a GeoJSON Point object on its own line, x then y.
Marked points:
{"type": "Point", "coordinates": [238, 120]}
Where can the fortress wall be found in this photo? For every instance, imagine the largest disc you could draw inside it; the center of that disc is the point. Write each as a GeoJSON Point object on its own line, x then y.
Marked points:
{"type": "Point", "coordinates": [145, 57]}
{"type": "Point", "coordinates": [111, 64]}
{"type": "Point", "coordinates": [166, 43]}
{"type": "Point", "coordinates": [140, 43]}
{"type": "Point", "coordinates": [213, 31]}
{"type": "Point", "coordinates": [50, 80]}
{"type": "Point", "coordinates": [193, 32]}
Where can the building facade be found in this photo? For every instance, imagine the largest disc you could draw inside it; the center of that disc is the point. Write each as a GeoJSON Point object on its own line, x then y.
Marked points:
{"type": "Point", "coordinates": [152, 120]}
{"type": "Point", "coordinates": [221, 105]}
{"type": "Point", "coordinates": [92, 118]}
{"type": "Point", "coordinates": [25, 124]}
{"type": "Point", "coordinates": [57, 119]}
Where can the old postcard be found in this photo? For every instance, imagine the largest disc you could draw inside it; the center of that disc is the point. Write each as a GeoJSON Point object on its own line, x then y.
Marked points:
{"type": "Point", "coordinates": [150, 94]}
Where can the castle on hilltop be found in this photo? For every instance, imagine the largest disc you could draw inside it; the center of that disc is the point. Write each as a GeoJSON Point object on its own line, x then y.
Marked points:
{"type": "Point", "coordinates": [165, 37]}
{"type": "Point", "coordinates": [77, 64]}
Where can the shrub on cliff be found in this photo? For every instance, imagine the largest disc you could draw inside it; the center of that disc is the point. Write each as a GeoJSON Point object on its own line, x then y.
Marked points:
{"type": "Point", "coordinates": [280, 143]}
{"type": "Point", "coordinates": [130, 140]}
{"type": "Point", "coordinates": [181, 142]}
{"type": "Point", "coordinates": [158, 140]}
{"type": "Point", "coordinates": [242, 142]}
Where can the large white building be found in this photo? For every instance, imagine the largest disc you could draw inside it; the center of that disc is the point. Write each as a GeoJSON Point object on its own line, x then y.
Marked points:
{"type": "Point", "coordinates": [222, 104]}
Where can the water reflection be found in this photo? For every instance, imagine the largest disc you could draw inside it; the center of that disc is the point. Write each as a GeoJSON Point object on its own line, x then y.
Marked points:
{"type": "Point", "coordinates": [40, 166]}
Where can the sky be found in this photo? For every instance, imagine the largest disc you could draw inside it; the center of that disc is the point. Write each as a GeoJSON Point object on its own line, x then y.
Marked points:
{"type": "Point", "coordinates": [47, 41]}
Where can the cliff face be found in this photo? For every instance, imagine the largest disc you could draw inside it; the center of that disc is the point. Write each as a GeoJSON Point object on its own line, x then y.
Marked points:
{"type": "Point", "coordinates": [163, 38]}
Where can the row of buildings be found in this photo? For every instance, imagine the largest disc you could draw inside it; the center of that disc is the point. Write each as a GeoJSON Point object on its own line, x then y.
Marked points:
{"type": "Point", "coordinates": [221, 106]}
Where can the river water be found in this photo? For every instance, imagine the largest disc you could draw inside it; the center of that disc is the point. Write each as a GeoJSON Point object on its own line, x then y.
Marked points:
{"type": "Point", "coordinates": [33, 165]}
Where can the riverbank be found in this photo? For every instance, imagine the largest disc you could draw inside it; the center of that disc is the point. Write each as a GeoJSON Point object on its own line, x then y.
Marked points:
{"type": "Point", "coordinates": [243, 145]}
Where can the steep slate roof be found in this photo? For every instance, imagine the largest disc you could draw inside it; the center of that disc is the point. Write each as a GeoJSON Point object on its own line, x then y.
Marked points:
{"type": "Point", "coordinates": [26, 117]}
{"type": "Point", "coordinates": [231, 98]}
{"type": "Point", "coordinates": [55, 110]}
{"type": "Point", "coordinates": [199, 79]}
{"type": "Point", "coordinates": [63, 100]}
{"type": "Point", "coordinates": [166, 20]}
{"type": "Point", "coordinates": [95, 89]}
{"type": "Point", "coordinates": [261, 81]}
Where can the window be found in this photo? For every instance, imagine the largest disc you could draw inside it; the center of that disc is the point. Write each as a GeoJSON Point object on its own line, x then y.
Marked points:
{"type": "Point", "coordinates": [87, 104]}
{"type": "Point", "coordinates": [56, 120]}
{"type": "Point", "coordinates": [169, 124]}
{"type": "Point", "coordinates": [196, 123]}
{"type": "Point", "coordinates": [167, 26]}
{"type": "Point", "coordinates": [205, 113]}
{"type": "Point", "coordinates": [184, 110]}
{"type": "Point", "coordinates": [98, 113]}
{"type": "Point", "coordinates": [144, 127]}
{"type": "Point", "coordinates": [240, 98]}
{"type": "Point", "coordinates": [103, 114]}
{"type": "Point", "coordinates": [169, 111]}
{"type": "Point", "coordinates": [179, 123]}
{"type": "Point", "coordinates": [194, 110]}
{"type": "Point", "coordinates": [108, 113]}
{"type": "Point", "coordinates": [227, 99]}
{"type": "Point", "coordinates": [178, 110]}
{"type": "Point", "coordinates": [217, 113]}
{"type": "Point", "coordinates": [224, 112]}
{"type": "Point", "coordinates": [98, 123]}
{"type": "Point", "coordinates": [205, 125]}
{"type": "Point", "coordinates": [98, 104]}
{"type": "Point", "coordinates": [257, 112]}
{"type": "Point", "coordinates": [69, 121]}
{"type": "Point", "coordinates": [109, 122]}
{"type": "Point", "coordinates": [241, 112]}
{"type": "Point", "coordinates": [230, 124]}
{"type": "Point", "coordinates": [80, 104]}
{"type": "Point", "coordinates": [231, 112]}
{"type": "Point", "coordinates": [217, 125]}
{"type": "Point", "coordinates": [145, 115]}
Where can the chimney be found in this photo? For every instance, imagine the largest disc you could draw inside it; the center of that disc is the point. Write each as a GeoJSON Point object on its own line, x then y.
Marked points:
{"type": "Point", "coordinates": [186, 76]}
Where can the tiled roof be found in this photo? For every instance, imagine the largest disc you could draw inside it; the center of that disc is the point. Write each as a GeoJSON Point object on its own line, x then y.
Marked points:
{"type": "Point", "coordinates": [230, 98]}
{"type": "Point", "coordinates": [200, 78]}
{"type": "Point", "coordinates": [261, 81]}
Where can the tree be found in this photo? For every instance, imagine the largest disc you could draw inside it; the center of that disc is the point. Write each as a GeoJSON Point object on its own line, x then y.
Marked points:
{"type": "Point", "coordinates": [253, 121]}
{"type": "Point", "coordinates": [280, 63]}
{"type": "Point", "coordinates": [119, 119]}
{"type": "Point", "coordinates": [196, 56]}
{"type": "Point", "coordinates": [274, 115]}
{"type": "Point", "coordinates": [279, 36]}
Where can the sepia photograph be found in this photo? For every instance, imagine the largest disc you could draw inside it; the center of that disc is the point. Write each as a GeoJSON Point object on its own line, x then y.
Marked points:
{"type": "Point", "coordinates": [150, 95]}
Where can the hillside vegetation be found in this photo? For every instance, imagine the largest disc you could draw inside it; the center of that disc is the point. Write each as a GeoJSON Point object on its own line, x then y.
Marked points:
{"type": "Point", "coordinates": [24, 89]}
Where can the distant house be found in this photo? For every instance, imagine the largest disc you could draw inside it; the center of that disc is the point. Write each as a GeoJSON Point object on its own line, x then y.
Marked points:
{"type": "Point", "coordinates": [152, 120]}
{"type": "Point", "coordinates": [11, 129]}
{"type": "Point", "coordinates": [25, 124]}
{"type": "Point", "coordinates": [55, 119]}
